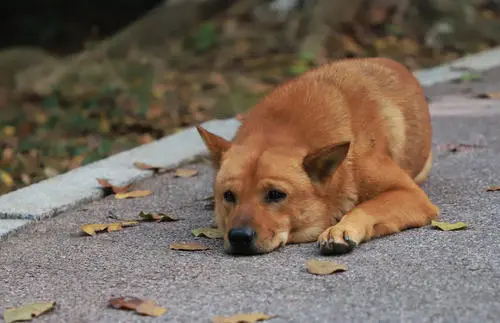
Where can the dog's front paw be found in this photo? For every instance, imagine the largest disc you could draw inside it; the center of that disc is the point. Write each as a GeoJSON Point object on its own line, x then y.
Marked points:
{"type": "Point", "coordinates": [336, 240]}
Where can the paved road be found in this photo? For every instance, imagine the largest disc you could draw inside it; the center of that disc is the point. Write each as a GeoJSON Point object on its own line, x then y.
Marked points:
{"type": "Point", "coordinates": [420, 275]}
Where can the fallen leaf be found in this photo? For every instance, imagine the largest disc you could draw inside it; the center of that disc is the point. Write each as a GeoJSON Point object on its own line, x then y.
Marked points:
{"type": "Point", "coordinates": [125, 302]}
{"type": "Point", "coordinates": [27, 312]}
{"type": "Point", "coordinates": [115, 189]}
{"type": "Point", "coordinates": [185, 172]}
{"type": "Point", "coordinates": [210, 233]}
{"type": "Point", "coordinates": [114, 227]}
{"type": "Point", "coordinates": [149, 308]}
{"type": "Point", "coordinates": [242, 318]}
{"type": "Point", "coordinates": [93, 228]}
{"type": "Point", "coordinates": [321, 267]}
{"type": "Point", "coordinates": [156, 169]}
{"type": "Point", "coordinates": [158, 217]}
{"type": "Point", "coordinates": [190, 246]}
{"type": "Point", "coordinates": [145, 307]}
{"type": "Point", "coordinates": [445, 226]}
{"type": "Point", "coordinates": [133, 194]}
{"type": "Point", "coordinates": [493, 188]}
{"type": "Point", "coordinates": [6, 178]}
{"type": "Point", "coordinates": [489, 95]}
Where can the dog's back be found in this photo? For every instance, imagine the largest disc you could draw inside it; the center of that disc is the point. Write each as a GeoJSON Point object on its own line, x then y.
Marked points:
{"type": "Point", "coordinates": [375, 103]}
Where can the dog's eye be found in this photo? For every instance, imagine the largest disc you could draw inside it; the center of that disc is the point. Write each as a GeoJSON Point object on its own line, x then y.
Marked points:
{"type": "Point", "coordinates": [274, 196]}
{"type": "Point", "coordinates": [229, 197]}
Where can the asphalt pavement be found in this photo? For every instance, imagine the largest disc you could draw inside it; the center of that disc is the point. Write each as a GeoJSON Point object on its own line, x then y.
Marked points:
{"type": "Point", "coordinates": [419, 275]}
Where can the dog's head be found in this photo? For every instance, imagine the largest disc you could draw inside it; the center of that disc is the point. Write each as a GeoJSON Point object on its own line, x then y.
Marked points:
{"type": "Point", "coordinates": [266, 197]}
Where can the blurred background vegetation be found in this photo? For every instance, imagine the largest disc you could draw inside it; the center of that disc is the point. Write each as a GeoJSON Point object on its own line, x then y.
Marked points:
{"type": "Point", "coordinates": [83, 80]}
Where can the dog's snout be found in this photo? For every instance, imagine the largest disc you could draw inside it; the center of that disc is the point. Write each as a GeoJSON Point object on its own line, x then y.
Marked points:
{"type": "Point", "coordinates": [242, 240]}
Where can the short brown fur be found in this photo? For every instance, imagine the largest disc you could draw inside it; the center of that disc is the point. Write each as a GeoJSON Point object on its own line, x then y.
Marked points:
{"type": "Point", "coordinates": [347, 142]}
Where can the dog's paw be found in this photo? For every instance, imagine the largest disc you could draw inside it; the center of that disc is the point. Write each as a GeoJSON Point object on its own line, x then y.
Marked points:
{"type": "Point", "coordinates": [336, 240]}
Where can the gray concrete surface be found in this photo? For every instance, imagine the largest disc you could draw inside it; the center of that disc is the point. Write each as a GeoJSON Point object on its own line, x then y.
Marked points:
{"type": "Point", "coordinates": [420, 275]}
{"type": "Point", "coordinates": [63, 192]}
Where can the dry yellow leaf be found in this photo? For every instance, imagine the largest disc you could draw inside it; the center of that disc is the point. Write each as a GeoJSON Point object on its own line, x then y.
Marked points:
{"type": "Point", "coordinates": [114, 227]}
{"type": "Point", "coordinates": [27, 312]}
{"type": "Point", "coordinates": [242, 318]}
{"type": "Point", "coordinates": [133, 194]}
{"type": "Point", "coordinates": [211, 233]}
{"type": "Point", "coordinates": [91, 229]}
{"type": "Point", "coordinates": [149, 308]}
{"type": "Point", "coordinates": [493, 188]}
{"type": "Point", "coordinates": [321, 267]}
{"type": "Point", "coordinates": [445, 226]}
{"type": "Point", "coordinates": [185, 172]}
{"type": "Point", "coordinates": [190, 246]}
{"type": "Point", "coordinates": [6, 178]}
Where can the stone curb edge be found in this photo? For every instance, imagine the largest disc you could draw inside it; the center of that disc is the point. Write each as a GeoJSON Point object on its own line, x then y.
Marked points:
{"type": "Point", "coordinates": [57, 194]}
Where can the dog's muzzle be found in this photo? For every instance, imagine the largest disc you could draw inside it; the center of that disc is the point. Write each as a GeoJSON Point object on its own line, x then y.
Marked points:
{"type": "Point", "coordinates": [242, 240]}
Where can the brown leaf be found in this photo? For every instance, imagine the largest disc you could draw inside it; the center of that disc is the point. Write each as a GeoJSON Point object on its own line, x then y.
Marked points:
{"type": "Point", "coordinates": [185, 172]}
{"type": "Point", "coordinates": [27, 312]}
{"type": "Point", "coordinates": [156, 169]}
{"type": "Point", "coordinates": [115, 189]}
{"type": "Point", "coordinates": [320, 267]}
{"type": "Point", "coordinates": [242, 318]}
{"type": "Point", "coordinates": [158, 217]}
{"type": "Point", "coordinates": [489, 95]}
{"type": "Point", "coordinates": [149, 308]}
{"type": "Point", "coordinates": [144, 307]}
{"type": "Point", "coordinates": [133, 194]}
{"type": "Point", "coordinates": [190, 246]}
{"type": "Point", "coordinates": [126, 302]}
{"type": "Point", "coordinates": [493, 188]}
{"type": "Point", "coordinates": [208, 233]}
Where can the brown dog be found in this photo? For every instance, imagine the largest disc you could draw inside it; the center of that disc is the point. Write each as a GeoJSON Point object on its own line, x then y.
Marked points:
{"type": "Point", "coordinates": [332, 156]}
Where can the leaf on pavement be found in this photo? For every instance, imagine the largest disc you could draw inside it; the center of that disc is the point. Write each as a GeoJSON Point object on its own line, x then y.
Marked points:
{"type": "Point", "coordinates": [158, 217]}
{"type": "Point", "coordinates": [190, 246]}
{"type": "Point", "coordinates": [489, 95]}
{"type": "Point", "coordinates": [133, 194]}
{"type": "Point", "coordinates": [210, 233]}
{"type": "Point", "coordinates": [145, 307]}
{"type": "Point", "coordinates": [149, 308]}
{"type": "Point", "coordinates": [493, 188]}
{"type": "Point", "coordinates": [156, 169]}
{"type": "Point", "coordinates": [27, 312]}
{"type": "Point", "coordinates": [185, 172]}
{"type": "Point", "coordinates": [321, 267]}
{"type": "Point", "coordinates": [243, 318]}
{"type": "Point", "coordinates": [92, 228]}
{"type": "Point", "coordinates": [445, 226]}
{"type": "Point", "coordinates": [105, 184]}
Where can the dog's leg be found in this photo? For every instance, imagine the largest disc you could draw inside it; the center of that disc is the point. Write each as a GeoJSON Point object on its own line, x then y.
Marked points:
{"type": "Point", "coordinates": [401, 205]}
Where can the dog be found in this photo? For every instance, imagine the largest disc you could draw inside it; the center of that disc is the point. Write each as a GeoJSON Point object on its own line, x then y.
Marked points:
{"type": "Point", "coordinates": [335, 156]}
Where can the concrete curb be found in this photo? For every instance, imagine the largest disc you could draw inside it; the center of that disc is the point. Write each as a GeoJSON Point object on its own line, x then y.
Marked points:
{"type": "Point", "coordinates": [57, 194]}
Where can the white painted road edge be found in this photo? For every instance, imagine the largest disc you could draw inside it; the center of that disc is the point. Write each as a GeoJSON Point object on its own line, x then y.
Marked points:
{"type": "Point", "coordinates": [65, 191]}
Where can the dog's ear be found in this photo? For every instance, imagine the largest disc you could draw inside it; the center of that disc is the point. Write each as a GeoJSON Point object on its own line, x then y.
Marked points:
{"type": "Point", "coordinates": [216, 145]}
{"type": "Point", "coordinates": [322, 163]}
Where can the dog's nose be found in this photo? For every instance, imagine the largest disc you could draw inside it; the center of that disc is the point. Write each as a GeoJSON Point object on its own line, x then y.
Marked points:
{"type": "Point", "coordinates": [241, 240]}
